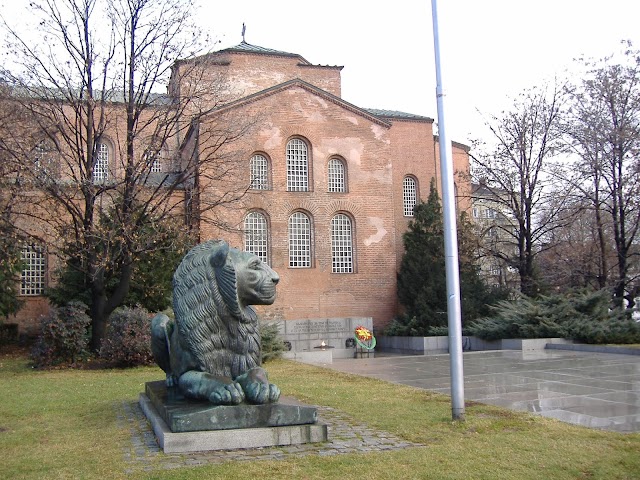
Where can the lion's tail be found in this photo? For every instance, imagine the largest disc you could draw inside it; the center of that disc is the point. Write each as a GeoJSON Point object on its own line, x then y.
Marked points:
{"type": "Point", "coordinates": [161, 329]}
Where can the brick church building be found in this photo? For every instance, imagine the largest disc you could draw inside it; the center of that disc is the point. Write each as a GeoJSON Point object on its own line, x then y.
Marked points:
{"type": "Point", "coordinates": [331, 185]}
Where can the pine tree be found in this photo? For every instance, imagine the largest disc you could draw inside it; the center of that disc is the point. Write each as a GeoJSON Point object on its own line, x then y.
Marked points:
{"type": "Point", "coordinates": [421, 281]}
{"type": "Point", "coordinates": [422, 288]}
{"type": "Point", "coordinates": [10, 265]}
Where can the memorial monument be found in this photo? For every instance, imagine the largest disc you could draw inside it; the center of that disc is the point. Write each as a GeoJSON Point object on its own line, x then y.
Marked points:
{"type": "Point", "coordinates": [215, 386]}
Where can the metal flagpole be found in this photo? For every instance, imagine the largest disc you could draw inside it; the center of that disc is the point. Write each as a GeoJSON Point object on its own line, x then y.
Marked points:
{"type": "Point", "coordinates": [450, 240]}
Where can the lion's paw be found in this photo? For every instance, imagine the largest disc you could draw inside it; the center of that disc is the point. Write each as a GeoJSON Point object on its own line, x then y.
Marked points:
{"type": "Point", "coordinates": [230, 394]}
{"type": "Point", "coordinates": [172, 381]}
{"type": "Point", "coordinates": [261, 393]}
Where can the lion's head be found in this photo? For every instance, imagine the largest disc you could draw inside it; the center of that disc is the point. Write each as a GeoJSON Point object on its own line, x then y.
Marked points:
{"type": "Point", "coordinates": [255, 280]}
{"type": "Point", "coordinates": [213, 290]}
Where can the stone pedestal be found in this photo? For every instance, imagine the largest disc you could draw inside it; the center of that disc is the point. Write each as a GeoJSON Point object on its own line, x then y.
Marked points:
{"type": "Point", "coordinates": [183, 425]}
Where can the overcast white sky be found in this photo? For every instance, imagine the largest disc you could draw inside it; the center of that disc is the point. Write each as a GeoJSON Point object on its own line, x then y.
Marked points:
{"type": "Point", "coordinates": [491, 49]}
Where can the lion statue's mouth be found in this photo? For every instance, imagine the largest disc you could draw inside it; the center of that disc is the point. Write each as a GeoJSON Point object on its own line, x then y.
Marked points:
{"type": "Point", "coordinates": [268, 292]}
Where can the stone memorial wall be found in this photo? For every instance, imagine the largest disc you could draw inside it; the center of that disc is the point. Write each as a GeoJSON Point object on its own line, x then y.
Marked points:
{"type": "Point", "coordinates": [308, 335]}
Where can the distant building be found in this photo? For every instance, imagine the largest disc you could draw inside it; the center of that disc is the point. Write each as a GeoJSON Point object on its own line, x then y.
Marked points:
{"type": "Point", "coordinates": [496, 233]}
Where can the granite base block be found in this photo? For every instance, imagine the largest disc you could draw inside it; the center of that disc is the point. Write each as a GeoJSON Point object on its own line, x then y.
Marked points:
{"type": "Point", "coordinates": [188, 442]}
{"type": "Point", "coordinates": [188, 415]}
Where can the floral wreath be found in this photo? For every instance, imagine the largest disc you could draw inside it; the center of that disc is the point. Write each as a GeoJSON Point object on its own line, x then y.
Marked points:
{"type": "Point", "coordinates": [364, 338]}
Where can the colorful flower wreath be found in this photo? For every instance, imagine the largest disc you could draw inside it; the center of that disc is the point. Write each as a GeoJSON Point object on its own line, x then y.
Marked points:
{"type": "Point", "coordinates": [364, 338]}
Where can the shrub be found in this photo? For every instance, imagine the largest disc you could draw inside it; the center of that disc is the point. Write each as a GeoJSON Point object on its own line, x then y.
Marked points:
{"type": "Point", "coordinates": [616, 330]}
{"type": "Point", "coordinates": [128, 339]}
{"type": "Point", "coordinates": [272, 344]}
{"type": "Point", "coordinates": [64, 335]}
{"type": "Point", "coordinates": [8, 333]}
{"type": "Point", "coordinates": [579, 315]}
{"type": "Point", "coordinates": [412, 327]}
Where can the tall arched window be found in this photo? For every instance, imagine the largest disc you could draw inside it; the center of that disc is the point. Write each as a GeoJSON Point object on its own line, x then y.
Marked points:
{"type": "Point", "coordinates": [336, 176]}
{"type": "Point", "coordinates": [156, 164]}
{"type": "Point", "coordinates": [256, 235]}
{"type": "Point", "coordinates": [34, 267]}
{"type": "Point", "coordinates": [153, 160]}
{"type": "Point", "coordinates": [259, 170]}
{"type": "Point", "coordinates": [299, 240]}
{"type": "Point", "coordinates": [44, 160]}
{"type": "Point", "coordinates": [101, 166]}
{"type": "Point", "coordinates": [409, 195]}
{"type": "Point", "coordinates": [297, 166]}
{"type": "Point", "coordinates": [341, 244]}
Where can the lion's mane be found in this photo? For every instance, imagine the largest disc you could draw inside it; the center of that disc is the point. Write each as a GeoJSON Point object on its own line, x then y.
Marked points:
{"type": "Point", "coordinates": [222, 338]}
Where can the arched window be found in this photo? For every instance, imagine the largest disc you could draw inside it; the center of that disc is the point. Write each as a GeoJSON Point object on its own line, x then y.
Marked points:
{"type": "Point", "coordinates": [297, 166]}
{"type": "Point", "coordinates": [101, 163]}
{"type": "Point", "coordinates": [44, 160]}
{"type": "Point", "coordinates": [259, 170]}
{"type": "Point", "coordinates": [256, 235]}
{"type": "Point", "coordinates": [336, 176]}
{"type": "Point", "coordinates": [341, 244]}
{"type": "Point", "coordinates": [409, 195]}
{"type": "Point", "coordinates": [153, 160]}
{"type": "Point", "coordinates": [299, 240]}
{"type": "Point", "coordinates": [156, 164]}
{"type": "Point", "coordinates": [34, 267]}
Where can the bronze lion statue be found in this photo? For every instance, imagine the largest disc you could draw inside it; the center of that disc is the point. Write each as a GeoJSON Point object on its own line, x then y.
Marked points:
{"type": "Point", "coordinates": [212, 350]}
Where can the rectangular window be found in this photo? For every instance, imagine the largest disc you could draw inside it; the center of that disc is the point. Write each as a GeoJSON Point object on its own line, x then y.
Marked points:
{"type": "Point", "coordinates": [336, 176]}
{"type": "Point", "coordinates": [409, 195]}
{"type": "Point", "coordinates": [32, 277]}
{"type": "Point", "coordinates": [490, 213]}
{"type": "Point", "coordinates": [297, 166]}
{"type": "Point", "coordinates": [156, 166]}
{"type": "Point", "coordinates": [259, 173]}
{"type": "Point", "coordinates": [341, 245]}
{"type": "Point", "coordinates": [299, 241]}
{"type": "Point", "coordinates": [101, 167]}
{"type": "Point", "coordinates": [256, 235]}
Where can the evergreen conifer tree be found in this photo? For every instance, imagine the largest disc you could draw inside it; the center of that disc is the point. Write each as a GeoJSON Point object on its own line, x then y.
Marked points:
{"type": "Point", "coordinates": [422, 288]}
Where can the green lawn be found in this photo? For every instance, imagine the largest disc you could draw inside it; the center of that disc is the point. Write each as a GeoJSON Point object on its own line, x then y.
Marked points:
{"type": "Point", "coordinates": [62, 424]}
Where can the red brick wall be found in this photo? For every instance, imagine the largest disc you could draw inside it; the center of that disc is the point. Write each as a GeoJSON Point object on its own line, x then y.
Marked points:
{"type": "Point", "coordinates": [28, 318]}
{"type": "Point", "coordinates": [364, 145]}
{"type": "Point", "coordinates": [244, 74]}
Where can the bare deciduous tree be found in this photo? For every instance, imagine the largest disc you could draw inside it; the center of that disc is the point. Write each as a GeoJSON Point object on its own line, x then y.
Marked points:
{"type": "Point", "coordinates": [525, 140]}
{"type": "Point", "coordinates": [603, 128]}
{"type": "Point", "coordinates": [90, 81]}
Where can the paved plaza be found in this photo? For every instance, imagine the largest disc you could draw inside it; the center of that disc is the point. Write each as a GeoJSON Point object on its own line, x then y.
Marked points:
{"type": "Point", "coordinates": [597, 390]}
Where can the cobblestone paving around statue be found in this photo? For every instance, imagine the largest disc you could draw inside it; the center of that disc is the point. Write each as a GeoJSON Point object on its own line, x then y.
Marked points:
{"type": "Point", "coordinates": [345, 436]}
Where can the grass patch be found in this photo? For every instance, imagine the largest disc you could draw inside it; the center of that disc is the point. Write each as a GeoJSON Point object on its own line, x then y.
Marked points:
{"type": "Point", "coordinates": [62, 424]}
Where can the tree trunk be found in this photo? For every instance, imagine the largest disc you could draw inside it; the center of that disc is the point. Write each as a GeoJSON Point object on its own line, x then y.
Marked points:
{"type": "Point", "coordinates": [98, 319]}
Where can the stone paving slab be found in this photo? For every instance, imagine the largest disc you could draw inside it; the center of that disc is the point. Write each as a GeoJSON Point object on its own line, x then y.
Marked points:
{"type": "Point", "coordinates": [346, 435]}
{"type": "Point", "coordinates": [592, 389]}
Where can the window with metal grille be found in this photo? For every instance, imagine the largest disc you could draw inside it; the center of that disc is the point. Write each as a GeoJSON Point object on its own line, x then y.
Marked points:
{"type": "Point", "coordinates": [156, 164]}
{"type": "Point", "coordinates": [153, 161]}
{"type": "Point", "coordinates": [256, 235]}
{"type": "Point", "coordinates": [32, 277]}
{"type": "Point", "coordinates": [44, 160]}
{"type": "Point", "coordinates": [259, 173]}
{"type": "Point", "coordinates": [336, 176]}
{"type": "Point", "coordinates": [341, 244]}
{"type": "Point", "coordinates": [409, 195]}
{"type": "Point", "coordinates": [101, 166]}
{"type": "Point", "coordinates": [297, 166]}
{"type": "Point", "coordinates": [299, 241]}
